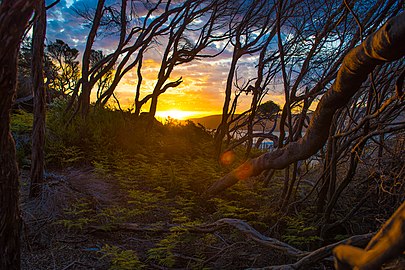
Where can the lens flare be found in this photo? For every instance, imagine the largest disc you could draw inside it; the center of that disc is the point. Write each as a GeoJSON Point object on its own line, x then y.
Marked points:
{"type": "Point", "coordinates": [244, 171]}
{"type": "Point", "coordinates": [227, 158]}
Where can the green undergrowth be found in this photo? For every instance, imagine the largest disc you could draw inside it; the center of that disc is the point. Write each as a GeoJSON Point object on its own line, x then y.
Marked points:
{"type": "Point", "coordinates": [21, 128]}
{"type": "Point", "coordinates": [121, 259]}
{"type": "Point", "coordinates": [162, 173]}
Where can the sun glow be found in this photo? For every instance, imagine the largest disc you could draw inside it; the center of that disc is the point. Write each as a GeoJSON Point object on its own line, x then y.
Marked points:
{"type": "Point", "coordinates": [180, 115]}
{"type": "Point", "coordinates": [175, 114]}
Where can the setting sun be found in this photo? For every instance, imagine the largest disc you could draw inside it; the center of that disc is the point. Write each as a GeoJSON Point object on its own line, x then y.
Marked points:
{"type": "Point", "coordinates": [176, 114]}
{"type": "Point", "coordinates": [182, 115]}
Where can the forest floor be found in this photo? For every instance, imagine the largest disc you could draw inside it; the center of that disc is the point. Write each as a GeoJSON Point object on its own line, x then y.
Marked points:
{"type": "Point", "coordinates": [48, 244]}
{"type": "Point", "coordinates": [119, 197]}
{"type": "Point", "coordinates": [68, 228]}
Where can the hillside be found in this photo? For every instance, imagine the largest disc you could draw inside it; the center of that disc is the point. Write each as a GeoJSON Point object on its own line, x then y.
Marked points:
{"type": "Point", "coordinates": [213, 121]}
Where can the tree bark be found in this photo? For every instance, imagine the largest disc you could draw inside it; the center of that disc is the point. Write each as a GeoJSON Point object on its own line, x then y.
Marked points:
{"type": "Point", "coordinates": [86, 86]}
{"type": "Point", "coordinates": [14, 16]}
{"type": "Point", "coordinates": [385, 45]}
{"type": "Point", "coordinates": [38, 129]}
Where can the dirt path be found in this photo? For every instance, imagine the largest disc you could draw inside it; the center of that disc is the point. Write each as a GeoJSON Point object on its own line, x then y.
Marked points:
{"type": "Point", "coordinates": [101, 189]}
{"type": "Point", "coordinates": [48, 244]}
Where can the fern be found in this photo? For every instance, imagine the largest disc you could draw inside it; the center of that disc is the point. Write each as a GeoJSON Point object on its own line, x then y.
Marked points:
{"type": "Point", "coordinates": [121, 259]}
{"type": "Point", "coordinates": [163, 252]}
{"type": "Point", "coordinates": [78, 216]}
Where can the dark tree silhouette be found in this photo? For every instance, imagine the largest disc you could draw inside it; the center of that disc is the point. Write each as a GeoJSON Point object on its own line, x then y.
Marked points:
{"type": "Point", "coordinates": [38, 129]}
{"type": "Point", "coordinates": [14, 16]}
{"type": "Point", "coordinates": [252, 29]}
{"type": "Point", "coordinates": [385, 45]}
{"type": "Point", "coordinates": [86, 86]}
{"type": "Point", "coordinates": [62, 68]}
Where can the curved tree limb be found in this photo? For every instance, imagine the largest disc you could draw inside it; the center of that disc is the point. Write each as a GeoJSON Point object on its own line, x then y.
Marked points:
{"type": "Point", "coordinates": [387, 244]}
{"type": "Point", "coordinates": [385, 45]}
{"type": "Point", "coordinates": [321, 253]}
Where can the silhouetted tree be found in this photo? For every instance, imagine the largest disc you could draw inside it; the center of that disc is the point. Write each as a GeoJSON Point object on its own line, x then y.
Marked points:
{"type": "Point", "coordinates": [105, 81]}
{"type": "Point", "coordinates": [38, 128]}
{"type": "Point", "coordinates": [252, 29]}
{"type": "Point", "coordinates": [14, 16]}
{"type": "Point", "coordinates": [62, 68]}
{"type": "Point", "coordinates": [383, 45]}
{"type": "Point", "coordinates": [86, 86]}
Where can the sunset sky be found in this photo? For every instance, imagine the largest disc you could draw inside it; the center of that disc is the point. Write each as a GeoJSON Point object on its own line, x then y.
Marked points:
{"type": "Point", "coordinates": [202, 90]}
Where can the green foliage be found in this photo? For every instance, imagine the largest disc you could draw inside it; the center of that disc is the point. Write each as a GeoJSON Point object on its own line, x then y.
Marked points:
{"type": "Point", "coordinates": [77, 216]}
{"type": "Point", "coordinates": [163, 252]}
{"type": "Point", "coordinates": [233, 209]}
{"type": "Point", "coordinates": [121, 259]}
{"type": "Point", "coordinates": [105, 131]}
{"type": "Point", "coordinates": [145, 201]}
{"type": "Point", "coordinates": [161, 174]}
{"type": "Point", "coordinates": [340, 237]}
{"type": "Point", "coordinates": [114, 215]}
{"type": "Point", "coordinates": [268, 108]}
{"type": "Point", "coordinates": [74, 223]}
{"type": "Point", "coordinates": [21, 128]}
{"type": "Point", "coordinates": [21, 122]}
{"type": "Point", "coordinates": [298, 233]}
{"type": "Point", "coordinates": [64, 156]}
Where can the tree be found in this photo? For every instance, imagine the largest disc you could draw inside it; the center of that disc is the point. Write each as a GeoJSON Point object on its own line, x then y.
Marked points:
{"type": "Point", "coordinates": [14, 16]}
{"type": "Point", "coordinates": [181, 49]}
{"type": "Point", "coordinates": [24, 85]}
{"type": "Point", "coordinates": [164, 21]}
{"type": "Point", "coordinates": [385, 45]}
{"type": "Point", "coordinates": [311, 39]}
{"type": "Point", "coordinates": [86, 87]}
{"type": "Point", "coordinates": [309, 61]}
{"type": "Point", "coordinates": [374, 109]}
{"type": "Point", "coordinates": [105, 81]}
{"type": "Point", "coordinates": [382, 46]}
{"type": "Point", "coordinates": [38, 129]}
{"type": "Point", "coordinates": [252, 29]}
{"type": "Point", "coordinates": [62, 68]}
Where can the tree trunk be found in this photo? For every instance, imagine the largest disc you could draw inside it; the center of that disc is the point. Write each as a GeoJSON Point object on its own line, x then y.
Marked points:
{"type": "Point", "coordinates": [86, 86]}
{"type": "Point", "coordinates": [224, 126]}
{"type": "Point", "coordinates": [14, 15]}
{"type": "Point", "coordinates": [38, 129]}
{"type": "Point", "coordinates": [153, 107]}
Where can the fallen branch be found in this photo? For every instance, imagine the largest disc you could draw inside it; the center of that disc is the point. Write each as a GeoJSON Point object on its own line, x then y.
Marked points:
{"type": "Point", "coordinates": [237, 224]}
{"type": "Point", "coordinates": [254, 235]}
{"type": "Point", "coordinates": [305, 258]}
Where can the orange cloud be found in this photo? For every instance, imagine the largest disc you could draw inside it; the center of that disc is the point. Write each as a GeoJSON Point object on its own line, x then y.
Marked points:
{"type": "Point", "coordinates": [202, 89]}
